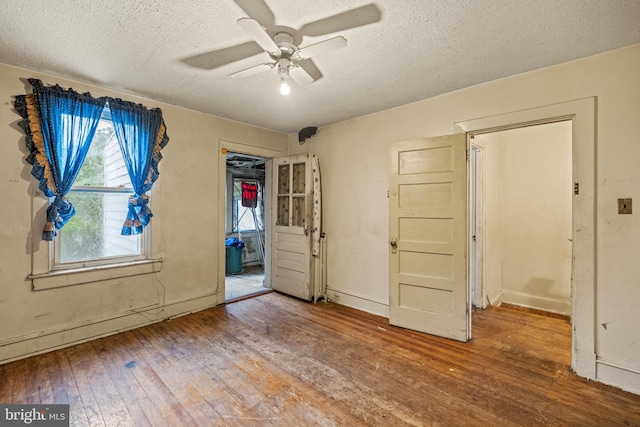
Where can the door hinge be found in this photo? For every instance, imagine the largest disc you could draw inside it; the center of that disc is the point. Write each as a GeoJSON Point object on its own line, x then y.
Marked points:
{"type": "Point", "coordinates": [387, 194]}
{"type": "Point", "coordinates": [576, 188]}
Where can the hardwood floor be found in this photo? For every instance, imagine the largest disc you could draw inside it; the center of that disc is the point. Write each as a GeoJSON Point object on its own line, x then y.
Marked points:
{"type": "Point", "coordinates": [277, 361]}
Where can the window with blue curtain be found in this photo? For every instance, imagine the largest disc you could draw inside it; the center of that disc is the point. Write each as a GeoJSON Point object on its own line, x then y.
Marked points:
{"type": "Point", "coordinates": [60, 127]}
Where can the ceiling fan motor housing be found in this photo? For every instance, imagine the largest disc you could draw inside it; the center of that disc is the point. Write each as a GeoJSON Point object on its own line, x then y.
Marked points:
{"type": "Point", "coordinates": [285, 43]}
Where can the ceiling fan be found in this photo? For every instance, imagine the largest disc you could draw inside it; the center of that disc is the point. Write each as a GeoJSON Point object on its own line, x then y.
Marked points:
{"type": "Point", "coordinates": [284, 54]}
{"type": "Point", "coordinates": [289, 60]}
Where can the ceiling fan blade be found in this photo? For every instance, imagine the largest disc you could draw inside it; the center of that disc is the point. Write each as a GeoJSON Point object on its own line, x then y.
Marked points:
{"type": "Point", "coordinates": [310, 67]}
{"type": "Point", "coordinates": [352, 18]}
{"type": "Point", "coordinates": [300, 76]}
{"type": "Point", "coordinates": [220, 57]}
{"type": "Point", "coordinates": [322, 47]}
{"type": "Point", "coordinates": [258, 10]}
{"type": "Point", "coordinates": [255, 30]}
{"type": "Point", "coordinates": [256, 69]}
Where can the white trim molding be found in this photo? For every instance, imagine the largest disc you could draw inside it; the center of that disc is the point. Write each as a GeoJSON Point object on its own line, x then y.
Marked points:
{"type": "Point", "coordinates": [78, 276]}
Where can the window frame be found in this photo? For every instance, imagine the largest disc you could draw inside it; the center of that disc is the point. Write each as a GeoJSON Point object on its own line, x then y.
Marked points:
{"type": "Point", "coordinates": [144, 244]}
{"type": "Point", "coordinates": [234, 213]}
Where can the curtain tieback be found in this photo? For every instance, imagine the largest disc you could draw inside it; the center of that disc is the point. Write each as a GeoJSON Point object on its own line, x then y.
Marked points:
{"type": "Point", "coordinates": [58, 214]}
{"type": "Point", "coordinates": [138, 216]}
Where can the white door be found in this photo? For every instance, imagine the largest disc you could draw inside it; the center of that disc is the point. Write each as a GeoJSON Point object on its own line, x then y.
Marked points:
{"type": "Point", "coordinates": [428, 236]}
{"type": "Point", "coordinates": [291, 225]}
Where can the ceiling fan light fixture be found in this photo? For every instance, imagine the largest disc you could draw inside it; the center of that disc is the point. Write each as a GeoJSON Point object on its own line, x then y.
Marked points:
{"type": "Point", "coordinates": [283, 72]}
{"type": "Point", "coordinates": [284, 86]}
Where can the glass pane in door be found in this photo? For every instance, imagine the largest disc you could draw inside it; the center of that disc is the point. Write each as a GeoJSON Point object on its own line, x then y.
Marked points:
{"type": "Point", "coordinates": [283, 179]}
{"type": "Point", "coordinates": [282, 217]}
{"type": "Point", "coordinates": [297, 215]}
{"type": "Point", "coordinates": [298, 178]}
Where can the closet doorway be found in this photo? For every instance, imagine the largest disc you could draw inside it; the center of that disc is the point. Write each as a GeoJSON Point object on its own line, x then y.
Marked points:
{"type": "Point", "coordinates": [521, 214]}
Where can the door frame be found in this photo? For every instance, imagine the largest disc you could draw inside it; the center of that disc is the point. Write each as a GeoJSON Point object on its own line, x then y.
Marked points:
{"type": "Point", "coordinates": [236, 147]}
{"type": "Point", "coordinates": [582, 113]}
{"type": "Point", "coordinates": [476, 240]}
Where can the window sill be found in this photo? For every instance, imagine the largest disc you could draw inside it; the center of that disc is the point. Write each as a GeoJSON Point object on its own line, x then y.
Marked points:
{"type": "Point", "coordinates": [60, 279]}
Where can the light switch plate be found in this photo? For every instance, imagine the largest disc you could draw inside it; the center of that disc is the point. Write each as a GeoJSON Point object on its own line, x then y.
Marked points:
{"type": "Point", "coordinates": [624, 206]}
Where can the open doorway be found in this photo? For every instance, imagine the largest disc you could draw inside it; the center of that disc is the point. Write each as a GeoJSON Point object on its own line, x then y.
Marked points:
{"type": "Point", "coordinates": [582, 114]}
{"type": "Point", "coordinates": [245, 231]}
{"type": "Point", "coordinates": [521, 218]}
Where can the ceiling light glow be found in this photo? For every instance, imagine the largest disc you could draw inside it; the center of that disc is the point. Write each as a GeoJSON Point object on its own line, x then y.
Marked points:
{"type": "Point", "coordinates": [284, 87]}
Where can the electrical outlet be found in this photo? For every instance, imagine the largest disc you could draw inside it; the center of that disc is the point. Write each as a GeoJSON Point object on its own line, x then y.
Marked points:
{"type": "Point", "coordinates": [624, 206]}
{"type": "Point", "coordinates": [336, 297]}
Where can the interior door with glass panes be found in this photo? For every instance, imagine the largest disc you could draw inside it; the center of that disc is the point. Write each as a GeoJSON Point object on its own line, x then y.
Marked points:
{"type": "Point", "coordinates": [291, 245]}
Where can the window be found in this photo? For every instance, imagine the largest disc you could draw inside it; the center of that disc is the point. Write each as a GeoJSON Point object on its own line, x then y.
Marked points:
{"type": "Point", "coordinates": [243, 219]}
{"type": "Point", "coordinates": [100, 195]}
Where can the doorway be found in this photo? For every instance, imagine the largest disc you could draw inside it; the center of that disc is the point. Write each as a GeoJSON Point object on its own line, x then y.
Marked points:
{"type": "Point", "coordinates": [449, 151]}
{"type": "Point", "coordinates": [245, 230]}
{"type": "Point", "coordinates": [520, 211]}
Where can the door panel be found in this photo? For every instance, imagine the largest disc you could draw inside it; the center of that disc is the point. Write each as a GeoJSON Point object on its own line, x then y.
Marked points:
{"type": "Point", "coordinates": [291, 260]}
{"type": "Point", "coordinates": [428, 229]}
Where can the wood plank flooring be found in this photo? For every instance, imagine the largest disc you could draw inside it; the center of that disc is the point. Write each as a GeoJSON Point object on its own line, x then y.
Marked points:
{"type": "Point", "coordinates": [277, 361]}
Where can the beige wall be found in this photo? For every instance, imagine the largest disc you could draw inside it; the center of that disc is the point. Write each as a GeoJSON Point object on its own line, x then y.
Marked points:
{"type": "Point", "coordinates": [353, 156]}
{"type": "Point", "coordinates": [527, 216]}
{"type": "Point", "coordinates": [185, 232]}
{"type": "Point", "coordinates": [536, 203]}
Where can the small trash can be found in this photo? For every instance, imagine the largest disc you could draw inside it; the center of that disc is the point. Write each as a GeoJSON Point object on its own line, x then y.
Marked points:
{"type": "Point", "coordinates": [234, 249]}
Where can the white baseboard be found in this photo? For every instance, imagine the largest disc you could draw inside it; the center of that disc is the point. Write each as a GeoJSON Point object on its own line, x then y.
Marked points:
{"type": "Point", "coordinates": [535, 302]}
{"type": "Point", "coordinates": [611, 373]}
{"type": "Point", "coordinates": [52, 339]}
{"type": "Point", "coordinates": [495, 299]}
{"type": "Point", "coordinates": [358, 301]}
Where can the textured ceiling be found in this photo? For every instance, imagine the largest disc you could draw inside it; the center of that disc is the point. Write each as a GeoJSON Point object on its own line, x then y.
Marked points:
{"type": "Point", "coordinates": [179, 51]}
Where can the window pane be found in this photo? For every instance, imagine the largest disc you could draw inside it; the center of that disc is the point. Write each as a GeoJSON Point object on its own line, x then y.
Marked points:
{"type": "Point", "coordinates": [104, 165]}
{"type": "Point", "coordinates": [283, 211]}
{"type": "Point", "coordinates": [243, 219]}
{"type": "Point", "coordinates": [283, 179]}
{"type": "Point", "coordinates": [297, 216]}
{"type": "Point", "coordinates": [298, 178]}
{"type": "Point", "coordinates": [94, 231]}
